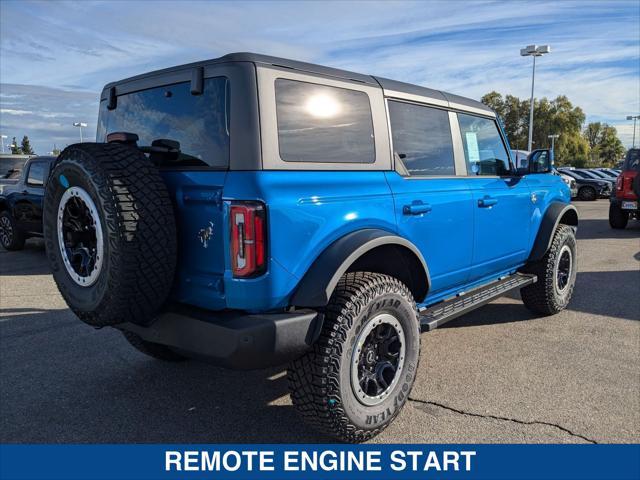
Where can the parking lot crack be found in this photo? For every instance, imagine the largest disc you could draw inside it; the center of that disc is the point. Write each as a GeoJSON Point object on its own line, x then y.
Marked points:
{"type": "Point", "coordinates": [504, 419]}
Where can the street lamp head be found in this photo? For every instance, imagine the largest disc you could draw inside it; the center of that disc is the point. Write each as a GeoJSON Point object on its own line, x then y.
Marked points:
{"type": "Point", "coordinates": [79, 124]}
{"type": "Point", "coordinates": [535, 50]}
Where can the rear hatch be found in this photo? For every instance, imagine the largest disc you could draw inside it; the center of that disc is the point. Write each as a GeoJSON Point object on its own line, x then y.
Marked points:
{"type": "Point", "coordinates": [201, 236]}
{"type": "Point", "coordinates": [187, 137]}
{"type": "Point", "coordinates": [630, 169]}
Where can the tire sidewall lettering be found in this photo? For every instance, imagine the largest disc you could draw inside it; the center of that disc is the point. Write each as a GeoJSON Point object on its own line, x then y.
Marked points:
{"type": "Point", "coordinates": [371, 417]}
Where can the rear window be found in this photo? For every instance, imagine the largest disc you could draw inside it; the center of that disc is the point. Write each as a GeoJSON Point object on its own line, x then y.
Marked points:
{"type": "Point", "coordinates": [322, 124]}
{"type": "Point", "coordinates": [200, 123]}
{"type": "Point", "coordinates": [632, 162]}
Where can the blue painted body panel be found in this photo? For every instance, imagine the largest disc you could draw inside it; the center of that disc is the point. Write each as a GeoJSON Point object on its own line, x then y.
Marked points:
{"type": "Point", "coordinates": [444, 235]}
{"type": "Point", "coordinates": [464, 245]}
{"type": "Point", "coordinates": [501, 230]}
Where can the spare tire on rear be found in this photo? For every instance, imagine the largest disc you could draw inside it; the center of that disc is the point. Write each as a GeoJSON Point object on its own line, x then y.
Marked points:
{"type": "Point", "coordinates": [110, 233]}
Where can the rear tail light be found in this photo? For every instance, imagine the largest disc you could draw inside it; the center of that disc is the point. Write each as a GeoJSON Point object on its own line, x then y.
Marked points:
{"type": "Point", "coordinates": [624, 185]}
{"type": "Point", "coordinates": [248, 239]}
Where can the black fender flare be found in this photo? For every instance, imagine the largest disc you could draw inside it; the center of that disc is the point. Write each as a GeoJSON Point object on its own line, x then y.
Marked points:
{"type": "Point", "coordinates": [557, 212]}
{"type": "Point", "coordinates": [317, 285]}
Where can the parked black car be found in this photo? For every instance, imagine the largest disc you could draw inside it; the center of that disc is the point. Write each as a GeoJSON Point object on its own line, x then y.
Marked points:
{"type": "Point", "coordinates": [607, 172]}
{"type": "Point", "coordinates": [589, 188]}
{"type": "Point", "coordinates": [595, 173]}
{"type": "Point", "coordinates": [21, 203]}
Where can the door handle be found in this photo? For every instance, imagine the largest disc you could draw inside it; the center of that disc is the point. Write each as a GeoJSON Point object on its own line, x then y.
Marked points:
{"type": "Point", "coordinates": [487, 202]}
{"type": "Point", "coordinates": [416, 208]}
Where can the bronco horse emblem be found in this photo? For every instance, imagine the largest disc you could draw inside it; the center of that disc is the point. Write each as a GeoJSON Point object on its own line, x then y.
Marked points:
{"type": "Point", "coordinates": [204, 235]}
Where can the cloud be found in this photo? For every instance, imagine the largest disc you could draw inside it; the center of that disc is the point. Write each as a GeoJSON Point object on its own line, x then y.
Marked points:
{"type": "Point", "coordinates": [46, 114]}
{"type": "Point", "coordinates": [9, 111]}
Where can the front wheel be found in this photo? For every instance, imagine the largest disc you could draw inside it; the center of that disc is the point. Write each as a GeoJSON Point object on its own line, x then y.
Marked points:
{"type": "Point", "coordinates": [587, 194]}
{"type": "Point", "coordinates": [618, 218]}
{"type": "Point", "coordinates": [556, 273]}
{"type": "Point", "coordinates": [359, 374]}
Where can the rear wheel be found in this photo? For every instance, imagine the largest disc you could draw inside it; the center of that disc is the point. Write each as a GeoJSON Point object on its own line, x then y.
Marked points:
{"type": "Point", "coordinates": [11, 237]}
{"type": "Point", "coordinates": [556, 273]}
{"type": "Point", "coordinates": [587, 194]}
{"type": "Point", "coordinates": [618, 218]}
{"type": "Point", "coordinates": [110, 233]}
{"type": "Point", "coordinates": [360, 372]}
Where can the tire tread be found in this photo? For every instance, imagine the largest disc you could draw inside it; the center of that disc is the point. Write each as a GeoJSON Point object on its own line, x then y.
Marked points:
{"type": "Point", "coordinates": [314, 378]}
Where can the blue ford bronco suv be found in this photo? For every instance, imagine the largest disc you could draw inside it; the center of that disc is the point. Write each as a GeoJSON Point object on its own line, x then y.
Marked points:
{"type": "Point", "coordinates": [253, 211]}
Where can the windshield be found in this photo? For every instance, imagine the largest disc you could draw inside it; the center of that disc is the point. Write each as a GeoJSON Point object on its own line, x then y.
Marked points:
{"type": "Point", "coordinates": [580, 174]}
{"type": "Point", "coordinates": [598, 174]}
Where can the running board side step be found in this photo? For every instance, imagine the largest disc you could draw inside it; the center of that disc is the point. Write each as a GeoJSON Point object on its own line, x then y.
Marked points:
{"type": "Point", "coordinates": [440, 313]}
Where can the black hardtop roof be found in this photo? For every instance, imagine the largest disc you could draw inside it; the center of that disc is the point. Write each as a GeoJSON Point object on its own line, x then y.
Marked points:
{"type": "Point", "coordinates": [385, 83]}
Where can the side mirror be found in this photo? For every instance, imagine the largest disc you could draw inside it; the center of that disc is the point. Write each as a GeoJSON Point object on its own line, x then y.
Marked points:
{"type": "Point", "coordinates": [540, 161]}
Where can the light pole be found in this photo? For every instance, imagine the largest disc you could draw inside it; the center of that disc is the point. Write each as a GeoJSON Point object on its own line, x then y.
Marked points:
{"type": "Point", "coordinates": [80, 125]}
{"type": "Point", "coordinates": [629, 117]}
{"type": "Point", "coordinates": [2, 137]}
{"type": "Point", "coordinates": [533, 51]}
{"type": "Point", "coordinates": [553, 141]}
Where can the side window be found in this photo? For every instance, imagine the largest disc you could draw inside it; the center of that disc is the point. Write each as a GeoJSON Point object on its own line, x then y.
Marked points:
{"type": "Point", "coordinates": [422, 139]}
{"type": "Point", "coordinates": [484, 151]}
{"type": "Point", "coordinates": [318, 123]}
{"type": "Point", "coordinates": [199, 123]}
{"type": "Point", "coordinates": [36, 174]}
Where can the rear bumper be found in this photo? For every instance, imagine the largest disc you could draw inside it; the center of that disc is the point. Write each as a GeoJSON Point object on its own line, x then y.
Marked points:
{"type": "Point", "coordinates": [233, 339]}
{"type": "Point", "coordinates": [617, 202]}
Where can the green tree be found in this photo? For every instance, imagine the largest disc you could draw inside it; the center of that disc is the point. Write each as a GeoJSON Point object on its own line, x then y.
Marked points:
{"type": "Point", "coordinates": [514, 114]}
{"type": "Point", "coordinates": [606, 147]}
{"type": "Point", "coordinates": [26, 146]}
{"type": "Point", "coordinates": [557, 116]}
{"type": "Point", "coordinates": [15, 149]}
{"type": "Point", "coordinates": [592, 134]}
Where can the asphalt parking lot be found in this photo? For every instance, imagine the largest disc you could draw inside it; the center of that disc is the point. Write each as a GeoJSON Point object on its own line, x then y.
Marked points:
{"type": "Point", "coordinates": [496, 375]}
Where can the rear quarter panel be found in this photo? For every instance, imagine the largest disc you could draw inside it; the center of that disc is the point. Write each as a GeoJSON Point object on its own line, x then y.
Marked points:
{"type": "Point", "coordinates": [307, 211]}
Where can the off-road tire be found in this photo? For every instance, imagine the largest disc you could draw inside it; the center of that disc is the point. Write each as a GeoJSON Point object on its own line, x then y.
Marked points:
{"type": "Point", "coordinates": [155, 350]}
{"type": "Point", "coordinates": [543, 297]}
{"type": "Point", "coordinates": [636, 185]}
{"type": "Point", "coordinates": [14, 240]}
{"type": "Point", "coordinates": [138, 223]}
{"type": "Point", "coordinates": [618, 218]}
{"type": "Point", "coordinates": [319, 381]}
{"type": "Point", "coordinates": [587, 194]}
